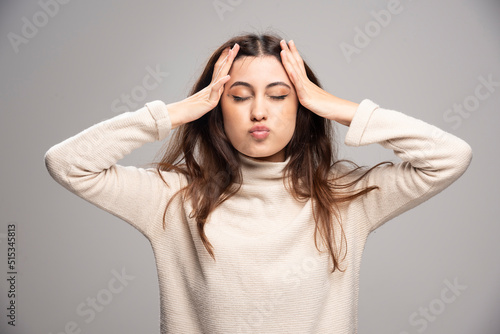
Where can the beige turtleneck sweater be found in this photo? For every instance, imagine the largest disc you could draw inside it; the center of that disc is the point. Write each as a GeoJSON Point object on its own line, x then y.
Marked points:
{"type": "Point", "coordinates": [268, 276]}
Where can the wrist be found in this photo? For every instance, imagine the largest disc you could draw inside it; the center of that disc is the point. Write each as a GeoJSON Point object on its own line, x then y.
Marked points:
{"type": "Point", "coordinates": [175, 114]}
{"type": "Point", "coordinates": [343, 111]}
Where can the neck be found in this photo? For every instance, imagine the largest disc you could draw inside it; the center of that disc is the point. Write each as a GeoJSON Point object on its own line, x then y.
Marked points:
{"type": "Point", "coordinates": [260, 172]}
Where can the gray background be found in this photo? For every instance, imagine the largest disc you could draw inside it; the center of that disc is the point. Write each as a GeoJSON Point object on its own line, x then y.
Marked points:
{"type": "Point", "coordinates": [65, 77]}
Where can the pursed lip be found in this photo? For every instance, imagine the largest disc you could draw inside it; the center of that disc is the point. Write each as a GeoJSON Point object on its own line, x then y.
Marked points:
{"type": "Point", "coordinates": [259, 128]}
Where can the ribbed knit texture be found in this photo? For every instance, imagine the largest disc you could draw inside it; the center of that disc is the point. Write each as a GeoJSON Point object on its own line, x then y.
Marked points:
{"type": "Point", "coordinates": [268, 276]}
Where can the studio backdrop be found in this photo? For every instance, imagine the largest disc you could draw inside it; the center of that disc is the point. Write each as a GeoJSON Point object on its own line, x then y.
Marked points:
{"type": "Point", "coordinates": [69, 267]}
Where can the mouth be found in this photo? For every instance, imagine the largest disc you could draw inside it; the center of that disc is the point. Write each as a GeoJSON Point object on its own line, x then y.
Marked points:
{"type": "Point", "coordinates": [260, 134]}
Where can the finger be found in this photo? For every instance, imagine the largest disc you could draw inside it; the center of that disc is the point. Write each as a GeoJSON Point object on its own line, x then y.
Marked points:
{"type": "Point", "coordinates": [226, 65]}
{"type": "Point", "coordinates": [217, 88]}
{"type": "Point", "coordinates": [288, 61]}
{"type": "Point", "coordinates": [289, 67]}
{"type": "Point", "coordinates": [222, 58]}
{"type": "Point", "coordinates": [296, 54]}
{"type": "Point", "coordinates": [294, 59]}
{"type": "Point", "coordinates": [219, 67]}
{"type": "Point", "coordinates": [295, 77]}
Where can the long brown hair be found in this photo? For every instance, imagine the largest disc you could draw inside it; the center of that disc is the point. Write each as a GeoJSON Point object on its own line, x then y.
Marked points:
{"type": "Point", "coordinates": [213, 175]}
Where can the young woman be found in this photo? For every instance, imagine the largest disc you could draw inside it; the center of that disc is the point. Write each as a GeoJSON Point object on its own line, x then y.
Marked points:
{"type": "Point", "coordinates": [255, 224]}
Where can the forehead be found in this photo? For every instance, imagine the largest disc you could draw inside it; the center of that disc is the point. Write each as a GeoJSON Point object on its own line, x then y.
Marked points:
{"type": "Point", "coordinates": [258, 69]}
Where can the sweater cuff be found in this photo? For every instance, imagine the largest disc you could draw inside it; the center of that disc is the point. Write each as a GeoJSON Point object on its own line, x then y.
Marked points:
{"type": "Point", "coordinates": [360, 122]}
{"type": "Point", "coordinates": [159, 112]}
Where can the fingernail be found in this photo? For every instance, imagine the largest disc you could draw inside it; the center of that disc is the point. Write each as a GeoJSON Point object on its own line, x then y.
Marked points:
{"type": "Point", "coordinates": [291, 42]}
{"type": "Point", "coordinates": [234, 46]}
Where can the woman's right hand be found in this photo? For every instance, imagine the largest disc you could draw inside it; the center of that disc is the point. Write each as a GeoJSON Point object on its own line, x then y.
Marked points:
{"type": "Point", "coordinates": [199, 104]}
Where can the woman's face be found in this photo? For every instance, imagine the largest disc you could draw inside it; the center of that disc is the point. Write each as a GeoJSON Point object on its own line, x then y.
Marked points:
{"type": "Point", "coordinates": [259, 93]}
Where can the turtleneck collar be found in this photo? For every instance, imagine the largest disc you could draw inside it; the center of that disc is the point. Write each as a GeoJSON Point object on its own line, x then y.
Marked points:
{"type": "Point", "coordinates": [263, 173]}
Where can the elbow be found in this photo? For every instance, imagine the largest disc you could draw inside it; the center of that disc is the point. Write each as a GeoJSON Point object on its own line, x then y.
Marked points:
{"type": "Point", "coordinates": [49, 160]}
{"type": "Point", "coordinates": [461, 159]}
{"type": "Point", "coordinates": [55, 166]}
{"type": "Point", "coordinates": [455, 160]}
{"type": "Point", "coordinates": [464, 157]}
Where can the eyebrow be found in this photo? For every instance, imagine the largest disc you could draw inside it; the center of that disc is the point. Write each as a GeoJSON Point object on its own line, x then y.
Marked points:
{"type": "Point", "coordinates": [272, 84]}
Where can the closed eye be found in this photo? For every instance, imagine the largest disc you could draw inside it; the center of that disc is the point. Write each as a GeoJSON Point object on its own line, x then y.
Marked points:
{"type": "Point", "coordinates": [281, 97]}
{"type": "Point", "coordinates": [239, 98]}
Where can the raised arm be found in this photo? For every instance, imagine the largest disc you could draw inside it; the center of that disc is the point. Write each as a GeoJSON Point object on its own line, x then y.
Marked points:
{"type": "Point", "coordinates": [85, 164]}
{"type": "Point", "coordinates": [432, 159]}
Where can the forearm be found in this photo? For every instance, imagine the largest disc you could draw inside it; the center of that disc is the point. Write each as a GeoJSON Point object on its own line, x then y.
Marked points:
{"type": "Point", "coordinates": [175, 110]}
{"type": "Point", "coordinates": [425, 146]}
{"type": "Point", "coordinates": [102, 145]}
{"type": "Point", "coordinates": [432, 159]}
{"type": "Point", "coordinates": [85, 164]}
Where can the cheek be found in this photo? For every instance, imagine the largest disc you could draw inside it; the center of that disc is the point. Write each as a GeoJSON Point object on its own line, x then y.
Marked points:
{"type": "Point", "coordinates": [226, 111]}
{"type": "Point", "coordinates": [232, 121]}
{"type": "Point", "coordinates": [286, 117]}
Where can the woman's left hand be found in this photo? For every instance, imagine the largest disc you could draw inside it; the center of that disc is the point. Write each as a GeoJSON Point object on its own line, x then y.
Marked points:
{"type": "Point", "coordinates": [309, 94]}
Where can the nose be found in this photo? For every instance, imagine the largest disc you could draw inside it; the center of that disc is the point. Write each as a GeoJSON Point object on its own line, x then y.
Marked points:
{"type": "Point", "coordinates": [258, 109]}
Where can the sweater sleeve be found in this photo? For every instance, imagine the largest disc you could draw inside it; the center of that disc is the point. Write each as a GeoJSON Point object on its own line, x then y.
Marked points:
{"type": "Point", "coordinates": [432, 159]}
{"type": "Point", "coordinates": [85, 164]}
